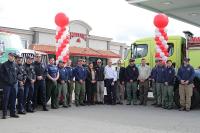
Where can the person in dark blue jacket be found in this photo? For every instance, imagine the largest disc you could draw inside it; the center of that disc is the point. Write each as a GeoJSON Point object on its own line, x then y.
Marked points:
{"type": "Point", "coordinates": [8, 76]}
{"type": "Point", "coordinates": [159, 78]}
{"type": "Point", "coordinates": [62, 83]}
{"type": "Point", "coordinates": [185, 76]}
{"type": "Point", "coordinates": [169, 78]}
{"type": "Point", "coordinates": [153, 79]}
{"type": "Point", "coordinates": [80, 74]}
{"type": "Point", "coordinates": [70, 82]}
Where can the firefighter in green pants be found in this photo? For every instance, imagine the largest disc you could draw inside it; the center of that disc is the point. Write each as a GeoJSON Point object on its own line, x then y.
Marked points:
{"type": "Point", "coordinates": [62, 83]}
{"type": "Point", "coordinates": [132, 74]}
{"type": "Point", "coordinates": [70, 82]}
{"type": "Point", "coordinates": [80, 74]}
{"type": "Point", "coordinates": [52, 90]}
{"type": "Point", "coordinates": [160, 69]}
{"type": "Point", "coordinates": [169, 86]}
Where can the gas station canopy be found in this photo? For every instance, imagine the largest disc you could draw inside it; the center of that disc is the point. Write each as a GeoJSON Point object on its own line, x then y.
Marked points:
{"type": "Point", "coordinates": [184, 10]}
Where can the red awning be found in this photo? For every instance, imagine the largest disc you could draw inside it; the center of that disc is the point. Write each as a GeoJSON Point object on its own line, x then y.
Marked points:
{"type": "Point", "coordinates": [77, 51]}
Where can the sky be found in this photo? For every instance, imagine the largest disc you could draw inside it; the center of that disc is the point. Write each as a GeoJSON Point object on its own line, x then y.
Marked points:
{"type": "Point", "coordinates": [108, 18]}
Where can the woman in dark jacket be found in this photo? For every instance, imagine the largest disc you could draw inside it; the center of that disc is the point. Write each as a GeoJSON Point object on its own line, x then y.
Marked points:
{"type": "Point", "coordinates": [91, 85]}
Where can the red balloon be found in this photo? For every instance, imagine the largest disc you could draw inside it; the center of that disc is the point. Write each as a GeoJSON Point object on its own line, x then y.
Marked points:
{"type": "Point", "coordinates": [166, 38]}
{"type": "Point", "coordinates": [61, 20]}
{"type": "Point", "coordinates": [167, 54]}
{"type": "Point", "coordinates": [158, 42]}
{"type": "Point", "coordinates": [161, 20]}
{"type": "Point", "coordinates": [156, 39]}
{"type": "Point", "coordinates": [162, 30]}
{"type": "Point", "coordinates": [157, 55]}
{"type": "Point", "coordinates": [162, 48]}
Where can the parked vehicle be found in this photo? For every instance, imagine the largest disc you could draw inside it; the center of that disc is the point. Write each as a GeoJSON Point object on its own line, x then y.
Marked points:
{"type": "Point", "coordinates": [179, 47]}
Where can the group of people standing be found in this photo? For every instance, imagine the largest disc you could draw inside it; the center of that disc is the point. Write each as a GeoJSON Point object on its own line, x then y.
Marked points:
{"type": "Point", "coordinates": [33, 82]}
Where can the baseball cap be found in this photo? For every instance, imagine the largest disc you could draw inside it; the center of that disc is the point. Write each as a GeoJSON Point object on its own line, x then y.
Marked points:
{"type": "Point", "coordinates": [11, 54]}
{"type": "Point", "coordinates": [61, 61]}
{"type": "Point", "coordinates": [132, 59]}
{"type": "Point", "coordinates": [99, 60]}
{"type": "Point", "coordinates": [18, 56]}
{"type": "Point", "coordinates": [29, 57]}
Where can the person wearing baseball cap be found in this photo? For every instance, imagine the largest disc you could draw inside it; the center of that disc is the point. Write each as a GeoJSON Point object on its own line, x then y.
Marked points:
{"type": "Point", "coordinates": [132, 74]}
{"type": "Point", "coordinates": [80, 74]}
{"type": "Point", "coordinates": [153, 79]}
{"type": "Point", "coordinates": [29, 84]}
{"type": "Point", "coordinates": [62, 83]}
{"type": "Point", "coordinates": [185, 76]}
{"type": "Point", "coordinates": [70, 82]}
{"type": "Point", "coordinates": [21, 76]}
{"type": "Point", "coordinates": [159, 78]}
{"type": "Point", "coordinates": [8, 76]}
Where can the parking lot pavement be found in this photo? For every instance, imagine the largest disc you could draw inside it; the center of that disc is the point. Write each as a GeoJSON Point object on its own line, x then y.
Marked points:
{"type": "Point", "coordinates": [105, 119]}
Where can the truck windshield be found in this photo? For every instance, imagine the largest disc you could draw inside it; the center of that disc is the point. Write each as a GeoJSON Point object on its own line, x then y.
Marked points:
{"type": "Point", "coordinates": [140, 50]}
{"type": "Point", "coordinates": [10, 41]}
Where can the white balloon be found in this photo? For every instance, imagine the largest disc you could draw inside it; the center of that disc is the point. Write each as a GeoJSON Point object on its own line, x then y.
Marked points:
{"type": "Point", "coordinates": [156, 30]}
{"type": "Point", "coordinates": [162, 54]}
{"type": "Point", "coordinates": [158, 50]}
{"type": "Point", "coordinates": [162, 38]}
{"type": "Point", "coordinates": [60, 41]}
{"type": "Point", "coordinates": [164, 42]}
{"type": "Point", "coordinates": [60, 57]}
{"type": "Point", "coordinates": [166, 46]}
{"type": "Point", "coordinates": [165, 30]}
{"type": "Point", "coordinates": [158, 34]}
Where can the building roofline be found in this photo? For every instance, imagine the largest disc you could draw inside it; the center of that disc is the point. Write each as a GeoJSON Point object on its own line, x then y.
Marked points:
{"type": "Point", "coordinates": [16, 30]}
{"type": "Point", "coordinates": [99, 38]}
{"type": "Point", "coordinates": [81, 23]}
{"type": "Point", "coordinates": [44, 30]}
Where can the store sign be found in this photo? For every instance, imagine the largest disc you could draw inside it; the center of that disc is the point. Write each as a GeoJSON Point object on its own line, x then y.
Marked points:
{"type": "Point", "coordinates": [194, 40]}
{"type": "Point", "coordinates": [79, 35]}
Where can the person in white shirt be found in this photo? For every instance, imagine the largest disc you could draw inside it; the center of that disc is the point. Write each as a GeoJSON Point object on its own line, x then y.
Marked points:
{"type": "Point", "coordinates": [144, 73]}
{"type": "Point", "coordinates": [110, 79]}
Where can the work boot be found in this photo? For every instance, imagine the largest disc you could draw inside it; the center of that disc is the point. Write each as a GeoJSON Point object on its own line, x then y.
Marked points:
{"type": "Point", "coordinates": [4, 117]}
{"type": "Point", "coordinates": [22, 112]}
{"type": "Point", "coordinates": [159, 105]}
{"type": "Point", "coordinates": [187, 109]}
{"type": "Point", "coordinates": [154, 104]}
{"type": "Point", "coordinates": [128, 104]}
{"type": "Point", "coordinates": [182, 109]}
{"type": "Point", "coordinates": [45, 108]}
{"type": "Point", "coordinates": [14, 116]}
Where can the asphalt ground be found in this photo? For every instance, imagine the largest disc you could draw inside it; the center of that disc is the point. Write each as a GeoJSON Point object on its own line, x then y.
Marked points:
{"type": "Point", "coordinates": [105, 119]}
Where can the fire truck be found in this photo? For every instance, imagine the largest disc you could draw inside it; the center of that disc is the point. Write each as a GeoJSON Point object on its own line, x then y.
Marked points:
{"type": "Point", "coordinates": [179, 48]}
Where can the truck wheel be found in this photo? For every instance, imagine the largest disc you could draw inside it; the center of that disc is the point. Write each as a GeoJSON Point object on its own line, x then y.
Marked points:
{"type": "Point", "coordinates": [195, 98]}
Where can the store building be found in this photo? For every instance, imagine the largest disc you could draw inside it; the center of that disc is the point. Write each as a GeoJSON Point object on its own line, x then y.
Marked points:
{"type": "Point", "coordinates": [82, 44]}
